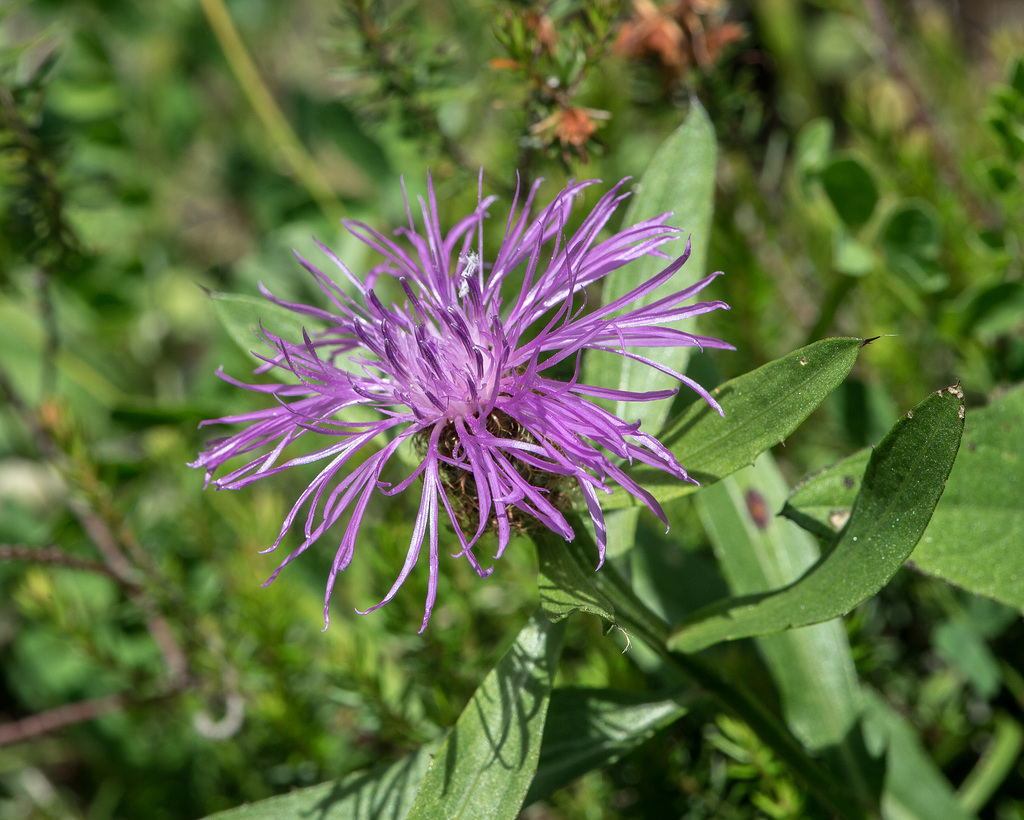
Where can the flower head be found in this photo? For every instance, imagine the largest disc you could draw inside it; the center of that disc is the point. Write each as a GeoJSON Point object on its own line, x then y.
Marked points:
{"type": "Point", "coordinates": [460, 373]}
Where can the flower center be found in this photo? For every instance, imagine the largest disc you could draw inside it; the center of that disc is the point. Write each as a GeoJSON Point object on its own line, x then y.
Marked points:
{"type": "Point", "coordinates": [443, 353]}
{"type": "Point", "coordinates": [459, 480]}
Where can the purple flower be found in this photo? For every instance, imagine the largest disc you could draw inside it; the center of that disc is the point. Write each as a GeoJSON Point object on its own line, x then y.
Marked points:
{"type": "Point", "coordinates": [459, 374]}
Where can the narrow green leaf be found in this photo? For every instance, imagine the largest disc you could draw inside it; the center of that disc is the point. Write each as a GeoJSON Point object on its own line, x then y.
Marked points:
{"type": "Point", "coordinates": [813, 666]}
{"type": "Point", "coordinates": [486, 764]}
{"type": "Point", "coordinates": [995, 765]}
{"type": "Point", "coordinates": [635, 619]}
{"type": "Point", "coordinates": [241, 316]}
{"type": "Point", "coordinates": [761, 408]}
{"type": "Point", "coordinates": [679, 179]}
{"type": "Point", "coordinates": [590, 728]}
{"type": "Point", "coordinates": [383, 793]}
{"type": "Point", "coordinates": [903, 482]}
{"type": "Point", "coordinates": [973, 540]}
{"type": "Point", "coordinates": [914, 786]}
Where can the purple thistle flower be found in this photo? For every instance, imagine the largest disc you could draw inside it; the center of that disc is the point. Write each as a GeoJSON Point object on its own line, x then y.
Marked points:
{"type": "Point", "coordinates": [464, 376]}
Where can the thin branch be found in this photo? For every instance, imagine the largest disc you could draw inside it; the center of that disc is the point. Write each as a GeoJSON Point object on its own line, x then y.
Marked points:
{"type": "Point", "coordinates": [949, 168]}
{"type": "Point", "coordinates": [303, 166]}
{"type": "Point", "coordinates": [57, 557]}
{"type": "Point", "coordinates": [18, 731]}
{"type": "Point", "coordinates": [108, 532]}
{"type": "Point", "coordinates": [398, 81]}
{"type": "Point", "coordinates": [101, 536]}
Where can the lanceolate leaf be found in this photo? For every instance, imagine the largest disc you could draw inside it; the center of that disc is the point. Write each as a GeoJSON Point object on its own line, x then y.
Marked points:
{"type": "Point", "coordinates": [486, 764]}
{"type": "Point", "coordinates": [679, 179]}
{"type": "Point", "coordinates": [241, 316]}
{"type": "Point", "coordinates": [812, 667]}
{"type": "Point", "coordinates": [902, 485]}
{"type": "Point", "coordinates": [914, 786]}
{"type": "Point", "coordinates": [384, 793]}
{"type": "Point", "coordinates": [974, 538]}
{"type": "Point", "coordinates": [761, 408]}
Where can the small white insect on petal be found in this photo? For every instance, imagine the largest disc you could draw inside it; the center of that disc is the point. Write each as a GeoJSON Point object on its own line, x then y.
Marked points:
{"type": "Point", "coordinates": [470, 261]}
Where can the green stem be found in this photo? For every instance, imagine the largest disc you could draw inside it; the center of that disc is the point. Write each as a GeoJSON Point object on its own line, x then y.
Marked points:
{"type": "Point", "coordinates": [633, 616]}
{"type": "Point", "coordinates": [300, 162]}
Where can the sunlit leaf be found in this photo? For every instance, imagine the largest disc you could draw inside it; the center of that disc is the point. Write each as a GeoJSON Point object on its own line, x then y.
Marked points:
{"type": "Point", "coordinates": [384, 793]}
{"type": "Point", "coordinates": [566, 576]}
{"type": "Point", "coordinates": [486, 764]}
{"type": "Point", "coordinates": [241, 316]}
{"type": "Point", "coordinates": [813, 666]}
{"type": "Point", "coordinates": [902, 484]}
{"type": "Point", "coordinates": [679, 179]}
{"type": "Point", "coordinates": [974, 538]}
{"type": "Point", "coordinates": [761, 408]}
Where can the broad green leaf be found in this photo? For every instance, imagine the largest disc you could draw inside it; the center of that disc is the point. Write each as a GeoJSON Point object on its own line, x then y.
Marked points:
{"type": "Point", "coordinates": [761, 408]}
{"type": "Point", "coordinates": [912, 229]}
{"type": "Point", "coordinates": [486, 764]}
{"type": "Point", "coordinates": [590, 728]}
{"type": "Point", "coordinates": [812, 667]}
{"type": "Point", "coordinates": [902, 485]}
{"type": "Point", "coordinates": [679, 179]}
{"type": "Point", "coordinates": [241, 316]}
{"type": "Point", "coordinates": [851, 189]}
{"type": "Point", "coordinates": [911, 240]}
{"type": "Point", "coordinates": [974, 538]}
{"type": "Point", "coordinates": [914, 786]}
{"type": "Point", "coordinates": [383, 793]}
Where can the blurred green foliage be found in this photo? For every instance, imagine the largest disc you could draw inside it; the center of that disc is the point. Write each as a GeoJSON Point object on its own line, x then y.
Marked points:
{"type": "Point", "coordinates": [857, 194]}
